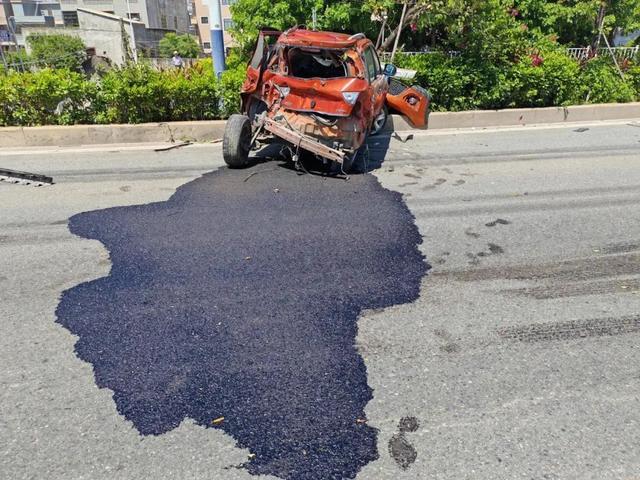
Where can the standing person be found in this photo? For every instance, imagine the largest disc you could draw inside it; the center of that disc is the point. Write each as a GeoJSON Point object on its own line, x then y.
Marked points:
{"type": "Point", "coordinates": [176, 60]}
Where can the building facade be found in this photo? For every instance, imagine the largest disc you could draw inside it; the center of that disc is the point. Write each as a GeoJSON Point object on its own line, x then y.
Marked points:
{"type": "Point", "coordinates": [200, 20]}
{"type": "Point", "coordinates": [172, 15]}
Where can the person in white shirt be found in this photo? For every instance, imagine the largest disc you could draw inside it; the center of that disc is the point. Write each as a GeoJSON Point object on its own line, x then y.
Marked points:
{"type": "Point", "coordinates": [176, 60]}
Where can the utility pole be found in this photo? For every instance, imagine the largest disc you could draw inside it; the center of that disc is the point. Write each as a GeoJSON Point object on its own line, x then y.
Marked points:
{"type": "Point", "coordinates": [217, 39]}
{"type": "Point", "coordinates": [134, 49]}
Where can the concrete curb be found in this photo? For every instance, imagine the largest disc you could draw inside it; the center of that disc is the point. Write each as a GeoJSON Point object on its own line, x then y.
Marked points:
{"type": "Point", "coordinates": [204, 131]}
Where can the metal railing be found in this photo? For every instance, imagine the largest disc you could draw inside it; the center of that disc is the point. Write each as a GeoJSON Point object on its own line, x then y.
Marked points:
{"type": "Point", "coordinates": [621, 53]}
{"type": "Point", "coordinates": [386, 56]}
{"type": "Point", "coordinates": [582, 53]}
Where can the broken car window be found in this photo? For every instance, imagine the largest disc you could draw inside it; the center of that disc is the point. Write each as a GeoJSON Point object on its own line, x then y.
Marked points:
{"type": "Point", "coordinates": [369, 55]}
{"type": "Point", "coordinates": [316, 63]}
{"type": "Point", "coordinates": [258, 53]}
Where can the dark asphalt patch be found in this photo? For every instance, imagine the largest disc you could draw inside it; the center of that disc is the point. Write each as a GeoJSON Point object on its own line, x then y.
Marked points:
{"type": "Point", "coordinates": [400, 449]}
{"type": "Point", "coordinates": [231, 300]}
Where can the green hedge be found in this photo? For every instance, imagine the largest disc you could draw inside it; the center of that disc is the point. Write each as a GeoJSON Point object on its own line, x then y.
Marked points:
{"type": "Point", "coordinates": [140, 93]}
{"type": "Point", "coordinates": [461, 83]}
{"type": "Point", "coordinates": [132, 94]}
{"type": "Point", "coordinates": [46, 97]}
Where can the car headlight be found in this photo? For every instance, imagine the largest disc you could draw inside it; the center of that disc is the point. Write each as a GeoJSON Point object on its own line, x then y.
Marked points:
{"type": "Point", "coordinates": [350, 97]}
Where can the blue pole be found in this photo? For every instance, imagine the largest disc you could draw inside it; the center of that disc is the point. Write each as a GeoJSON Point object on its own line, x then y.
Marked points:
{"type": "Point", "coordinates": [217, 39]}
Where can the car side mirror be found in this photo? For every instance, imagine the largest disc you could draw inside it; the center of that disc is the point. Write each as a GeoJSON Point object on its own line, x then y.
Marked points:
{"type": "Point", "coordinates": [389, 70]}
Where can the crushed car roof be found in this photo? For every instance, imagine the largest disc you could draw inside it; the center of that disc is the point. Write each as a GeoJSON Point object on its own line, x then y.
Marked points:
{"type": "Point", "coordinates": [301, 37]}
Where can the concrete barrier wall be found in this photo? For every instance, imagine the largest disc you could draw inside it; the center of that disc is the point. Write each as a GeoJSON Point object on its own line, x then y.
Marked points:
{"type": "Point", "coordinates": [205, 131]}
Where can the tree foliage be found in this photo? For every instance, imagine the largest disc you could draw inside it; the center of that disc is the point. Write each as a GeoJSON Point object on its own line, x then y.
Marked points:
{"type": "Point", "coordinates": [57, 50]}
{"type": "Point", "coordinates": [186, 45]}
{"type": "Point", "coordinates": [575, 22]}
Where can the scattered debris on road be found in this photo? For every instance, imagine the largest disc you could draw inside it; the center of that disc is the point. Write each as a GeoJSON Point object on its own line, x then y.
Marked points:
{"type": "Point", "coordinates": [403, 140]}
{"type": "Point", "coordinates": [217, 421]}
{"type": "Point", "coordinates": [171, 147]}
{"type": "Point", "coordinates": [498, 221]}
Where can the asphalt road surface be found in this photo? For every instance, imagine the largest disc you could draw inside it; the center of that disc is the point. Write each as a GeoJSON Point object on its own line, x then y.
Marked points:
{"type": "Point", "coordinates": [470, 309]}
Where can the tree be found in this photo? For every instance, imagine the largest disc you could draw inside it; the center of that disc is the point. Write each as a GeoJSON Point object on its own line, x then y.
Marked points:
{"type": "Point", "coordinates": [186, 45]}
{"type": "Point", "coordinates": [57, 50]}
{"type": "Point", "coordinates": [251, 15]}
{"type": "Point", "coordinates": [350, 16]}
{"type": "Point", "coordinates": [576, 22]}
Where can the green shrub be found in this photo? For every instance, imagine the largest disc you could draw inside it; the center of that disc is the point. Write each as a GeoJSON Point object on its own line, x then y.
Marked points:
{"type": "Point", "coordinates": [633, 76]}
{"type": "Point", "coordinates": [229, 89]}
{"type": "Point", "coordinates": [447, 79]}
{"type": "Point", "coordinates": [554, 82]}
{"type": "Point", "coordinates": [186, 45]}
{"type": "Point", "coordinates": [131, 94]}
{"type": "Point", "coordinates": [140, 93]}
{"type": "Point", "coordinates": [46, 97]}
{"type": "Point", "coordinates": [464, 83]}
{"type": "Point", "coordinates": [192, 92]}
{"type": "Point", "coordinates": [601, 83]}
{"type": "Point", "coordinates": [57, 50]}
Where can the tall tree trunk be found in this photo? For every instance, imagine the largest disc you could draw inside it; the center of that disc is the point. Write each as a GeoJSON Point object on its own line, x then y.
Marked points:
{"type": "Point", "coordinates": [602, 11]}
{"type": "Point", "coordinates": [411, 15]}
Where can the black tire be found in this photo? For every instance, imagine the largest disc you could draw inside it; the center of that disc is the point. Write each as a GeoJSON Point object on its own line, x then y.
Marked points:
{"type": "Point", "coordinates": [236, 141]}
{"type": "Point", "coordinates": [380, 121]}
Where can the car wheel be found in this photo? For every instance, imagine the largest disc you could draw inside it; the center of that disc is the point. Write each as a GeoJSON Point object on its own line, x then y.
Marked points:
{"type": "Point", "coordinates": [236, 141]}
{"type": "Point", "coordinates": [380, 121]}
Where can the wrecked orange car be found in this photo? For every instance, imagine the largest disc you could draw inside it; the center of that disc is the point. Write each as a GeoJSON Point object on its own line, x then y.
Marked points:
{"type": "Point", "coordinates": [317, 92]}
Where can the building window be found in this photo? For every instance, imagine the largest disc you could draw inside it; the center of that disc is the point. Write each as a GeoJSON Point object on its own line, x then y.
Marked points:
{"type": "Point", "coordinates": [228, 23]}
{"type": "Point", "coordinates": [70, 19]}
{"type": "Point", "coordinates": [206, 45]}
{"type": "Point", "coordinates": [175, 23]}
{"type": "Point", "coordinates": [163, 21]}
{"type": "Point", "coordinates": [133, 16]}
{"type": "Point", "coordinates": [228, 2]}
{"type": "Point", "coordinates": [204, 19]}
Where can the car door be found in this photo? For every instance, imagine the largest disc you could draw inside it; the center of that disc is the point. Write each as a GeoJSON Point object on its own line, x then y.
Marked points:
{"type": "Point", "coordinates": [377, 81]}
{"type": "Point", "coordinates": [266, 39]}
{"type": "Point", "coordinates": [412, 102]}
